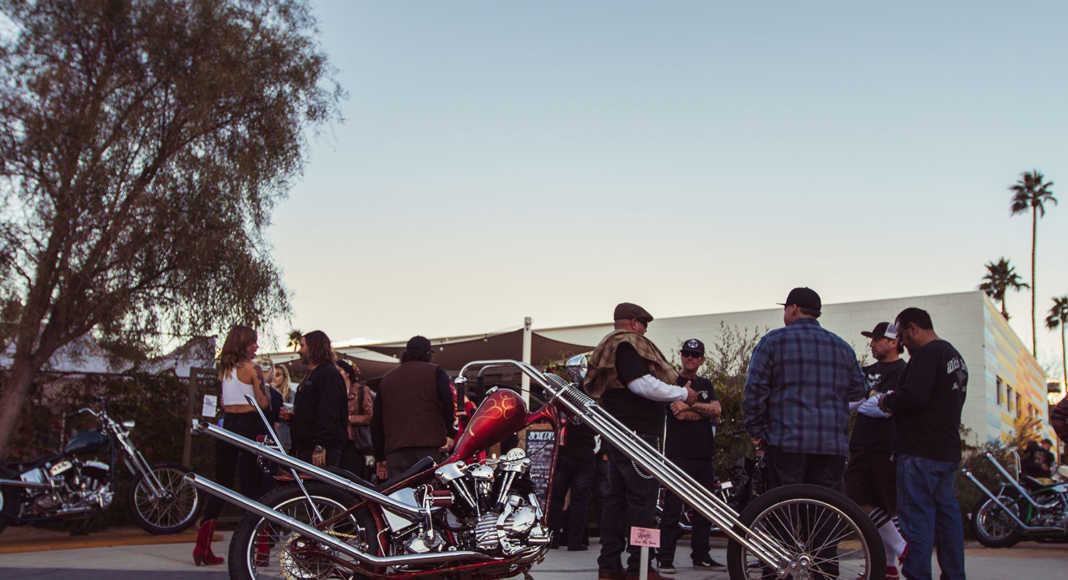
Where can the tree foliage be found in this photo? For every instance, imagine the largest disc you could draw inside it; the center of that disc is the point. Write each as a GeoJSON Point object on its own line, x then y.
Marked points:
{"type": "Point", "coordinates": [143, 145]}
{"type": "Point", "coordinates": [1058, 318]}
{"type": "Point", "coordinates": [999, 278]}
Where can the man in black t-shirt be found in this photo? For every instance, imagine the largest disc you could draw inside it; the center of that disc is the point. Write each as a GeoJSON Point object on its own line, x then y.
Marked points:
{"type": "Point", "coordinates": [927, 406]}
{"type": "Point", "coordinates": [691, 436]}
{"type": "Point", "coordinates": [870, 476]}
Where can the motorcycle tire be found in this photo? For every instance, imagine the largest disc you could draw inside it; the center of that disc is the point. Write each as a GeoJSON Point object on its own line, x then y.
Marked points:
{"type": "Point", "coordinates": [781, 512]}
{"type": "Point", "coordinates": [261, 549]}
{"type": "Point", "coordinates": [993, 527]}
{"type": "Point", "coordinates": [169, 515]}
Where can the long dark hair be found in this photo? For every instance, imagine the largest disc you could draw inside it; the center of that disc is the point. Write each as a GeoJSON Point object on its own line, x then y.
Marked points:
{"type": "Point", "coordinates": [319, 350]}
{"type": "Point", "coordinates": [235, 349]}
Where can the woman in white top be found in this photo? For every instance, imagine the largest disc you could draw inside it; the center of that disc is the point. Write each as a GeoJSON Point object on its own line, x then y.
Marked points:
{"type": "Point", "coordinates": [239, 377]}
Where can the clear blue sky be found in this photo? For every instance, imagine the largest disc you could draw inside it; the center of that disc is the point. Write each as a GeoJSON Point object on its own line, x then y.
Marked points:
{"type": "Point", "coordinates": [503, 159]}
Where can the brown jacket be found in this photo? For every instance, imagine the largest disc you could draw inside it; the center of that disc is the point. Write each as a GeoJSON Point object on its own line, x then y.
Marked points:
{"type": "Point", "coordinates": [410, 406]}
{"type": "Point", "coordinates": [361, 407]}
{"type": "Point", "coordinates": [602, 372]}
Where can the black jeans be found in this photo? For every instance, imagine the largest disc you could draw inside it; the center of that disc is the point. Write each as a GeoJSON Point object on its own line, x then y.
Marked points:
{"type": "Point", "coordinates": [826, 470]}
{"type": "Point", "coordinates": [629, 500]}
{"type": "Point", "coordinates": [574, 474]}
{"type": "Point", "coordinates": [355, 461]}
{"type": "Point", "coordinates": [703, 470]}
{"type": "Point", "coordinates": [231, 462]}
{"type": "Point", "coordinates": [785, 468]}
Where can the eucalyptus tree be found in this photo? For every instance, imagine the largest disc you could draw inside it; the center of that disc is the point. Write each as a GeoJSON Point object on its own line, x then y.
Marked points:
{"type": "Point", "coordinates": [999, 278]}
{"type": "Point", "coordinates": [1032, 192]}
{"type": "Point", "coordinates": [143, 145]}
{"type": "Point", "coordinates": [1058, 318]}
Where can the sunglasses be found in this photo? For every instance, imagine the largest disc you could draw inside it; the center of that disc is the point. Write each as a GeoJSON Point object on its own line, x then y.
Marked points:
{"type": "Point", "coordinates": [692, 354]}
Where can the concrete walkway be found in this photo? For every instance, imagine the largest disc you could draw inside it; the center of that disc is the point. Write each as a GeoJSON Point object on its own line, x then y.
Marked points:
{"type": "Point", "coordinates": [128, 554]}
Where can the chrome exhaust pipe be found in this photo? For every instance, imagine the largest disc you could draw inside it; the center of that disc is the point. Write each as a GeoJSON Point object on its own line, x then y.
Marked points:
{"type": "Point", "coordinates": [287, 522]}
{"type": "Point", "coordinates": [412, 511]}
{"type": "Point", "coordinates": [20, 483]}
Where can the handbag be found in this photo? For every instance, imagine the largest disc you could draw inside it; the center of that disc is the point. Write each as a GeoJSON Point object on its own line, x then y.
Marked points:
{"type": "Point", "coordinates": [361, 434]}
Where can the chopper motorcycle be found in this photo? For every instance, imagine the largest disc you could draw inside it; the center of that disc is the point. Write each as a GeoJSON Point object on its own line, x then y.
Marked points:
{"type": "Point", "coordinates": [1024, 508]}
{"type": "Point", "coordinates": [80, 481]}
{"type": "Point", "coordinates": [469, 518]}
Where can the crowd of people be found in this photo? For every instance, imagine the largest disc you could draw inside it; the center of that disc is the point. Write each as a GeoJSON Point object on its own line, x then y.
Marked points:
{"type": "Point", "coordinates": [803, 385]}
{"type": "Point", "coordinates": [331, 419]}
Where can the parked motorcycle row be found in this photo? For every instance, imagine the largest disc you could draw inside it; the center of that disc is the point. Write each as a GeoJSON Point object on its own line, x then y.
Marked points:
{"type": "Point", "coordinates": [81, 481]}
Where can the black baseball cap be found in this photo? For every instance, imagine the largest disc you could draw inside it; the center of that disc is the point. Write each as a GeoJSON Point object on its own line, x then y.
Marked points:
{"type": "Point", "coordinates": [694, 345]}
{"type": "Point", "coordinates": [629, 310]}
{"type": "Point", "coordinates": [805, 298]}
{"type": "Point", "coordinates": [418, 343]}
{"type": "Point", "coordinates": [881, 330]}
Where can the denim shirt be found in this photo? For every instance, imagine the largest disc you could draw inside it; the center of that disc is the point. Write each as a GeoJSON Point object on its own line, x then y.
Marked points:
{"type": "Point", "coordinates": [801, 379]}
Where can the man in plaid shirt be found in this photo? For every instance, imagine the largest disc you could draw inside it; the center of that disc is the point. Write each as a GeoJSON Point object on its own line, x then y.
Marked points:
{"type": "Point", "coordinates": [801, 379]}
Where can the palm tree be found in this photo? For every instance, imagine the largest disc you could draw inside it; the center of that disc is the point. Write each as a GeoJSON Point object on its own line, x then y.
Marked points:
{"type": "Point", "coordinates": [294, 339]}
{"type": "Point", "coordinates": [1058, 316]}
{"type": "Point", "coordinates": [1031, 191]}
{"type": "Point", "coordinates": [999, 277]}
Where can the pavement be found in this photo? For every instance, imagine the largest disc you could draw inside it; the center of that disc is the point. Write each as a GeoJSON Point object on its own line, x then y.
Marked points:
{"type": "Point", "coordinates": [129, 553]}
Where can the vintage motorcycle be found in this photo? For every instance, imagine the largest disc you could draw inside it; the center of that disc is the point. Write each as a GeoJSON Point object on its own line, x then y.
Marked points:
{"type": "Point", "coordinates": [80, 481]}
{"type": "Point", "coordinates": [1024, 508]}
{"type": "Point", "coordinates": [469, 518]}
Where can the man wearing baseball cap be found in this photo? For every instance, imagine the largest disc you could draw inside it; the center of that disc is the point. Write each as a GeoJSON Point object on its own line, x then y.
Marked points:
{"type": "Point", "coordinates": [633, 380]}
{"type": "Point", "coordinates": [691, 436]}
{"type": "Point", "coordinates": [796, 404]}
{"type": "Point", "coordinates": [870, 477]}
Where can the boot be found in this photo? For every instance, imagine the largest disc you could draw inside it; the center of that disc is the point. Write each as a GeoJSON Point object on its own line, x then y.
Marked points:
{"type": "Point", "coordinates": [202, 554]}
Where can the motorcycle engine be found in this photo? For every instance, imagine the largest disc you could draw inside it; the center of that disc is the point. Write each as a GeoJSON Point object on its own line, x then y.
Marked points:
{"type": "Point", "coordinates": [490, 507]}
{"type": "Point", "coordinates": [77, 486]}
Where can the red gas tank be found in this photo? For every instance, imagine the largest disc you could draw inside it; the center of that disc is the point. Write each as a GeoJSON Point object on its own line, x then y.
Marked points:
{"type": "Point", "coordinates": [502, 413]}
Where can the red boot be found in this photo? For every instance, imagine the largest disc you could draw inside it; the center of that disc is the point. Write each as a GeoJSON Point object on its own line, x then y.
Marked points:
{"type": "Point", "coordinates": [202, 554]}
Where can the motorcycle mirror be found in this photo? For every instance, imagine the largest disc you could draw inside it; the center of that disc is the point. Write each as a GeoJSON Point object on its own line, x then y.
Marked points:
{"type": "Point", "coordinates": [577, 367]}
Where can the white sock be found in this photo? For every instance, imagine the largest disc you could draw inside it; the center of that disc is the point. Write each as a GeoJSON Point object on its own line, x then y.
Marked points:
{"type": "Point", "coordinates": [893, 543]}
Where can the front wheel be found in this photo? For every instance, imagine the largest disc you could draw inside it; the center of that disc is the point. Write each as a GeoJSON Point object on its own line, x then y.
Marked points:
{"type": "Point", "coordinates": [823, 533]}
{"type": "Point", "coordinates": [262, 549]}
{"type": "Point", "coordinates": [993, 527]}
{"type": "Point", "coordinates": [173, 511]}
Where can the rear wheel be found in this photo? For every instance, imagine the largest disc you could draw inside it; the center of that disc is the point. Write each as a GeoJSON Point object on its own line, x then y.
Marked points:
{"type": "Point", "coordinates": [262, 549]}
{"type": "Point", "coordinates": [170, 513]}
{"type": "Point", "coordinates": [823, 533]}
{"type": "Point", "coordinates": [993, 527]}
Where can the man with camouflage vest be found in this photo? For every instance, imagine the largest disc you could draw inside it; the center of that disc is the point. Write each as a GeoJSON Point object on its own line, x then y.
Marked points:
{"type": "Point", "coordinates": [633, 381]}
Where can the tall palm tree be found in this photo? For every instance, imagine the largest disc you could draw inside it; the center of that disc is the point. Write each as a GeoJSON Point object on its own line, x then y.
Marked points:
{"type": "Point", "coordinates": [294, 339]}
{"type": "Point", "coordinates": [1058, 316]}
{"type": "Point", "coordinates": [1032, 191]}
{"type": "Point", "coordinates": [999, 277]}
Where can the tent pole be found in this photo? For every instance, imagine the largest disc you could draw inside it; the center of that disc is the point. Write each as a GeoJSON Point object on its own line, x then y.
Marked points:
{"type": "Point", "coordinates": [527, 342]}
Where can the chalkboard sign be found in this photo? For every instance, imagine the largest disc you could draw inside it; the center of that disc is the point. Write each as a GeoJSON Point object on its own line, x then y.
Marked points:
{"type": "Point", "coordinates": [540, 452]}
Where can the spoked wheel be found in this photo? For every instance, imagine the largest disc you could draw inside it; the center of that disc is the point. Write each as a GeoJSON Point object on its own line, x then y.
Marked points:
{"type": "Point", "coordinates": [824, 534]}
{"type": "Point", "coordinates": [170, 513]}
{"type": "Point", "coordinates": [262, 549]}
{"type": "Point", "coordinates": [993, 527]}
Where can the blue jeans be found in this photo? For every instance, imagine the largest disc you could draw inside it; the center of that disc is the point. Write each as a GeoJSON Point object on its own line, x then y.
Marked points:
{"type": "Point", "coordinates": [930, 517]}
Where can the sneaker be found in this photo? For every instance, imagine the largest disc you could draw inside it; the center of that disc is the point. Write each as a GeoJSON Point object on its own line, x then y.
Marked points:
{"type": "Point", "coordinates": [706, 562]}
{"type": "Point", "coordinates": [666, 567]}
{"type": "Point", "coordinates": [891, 573]}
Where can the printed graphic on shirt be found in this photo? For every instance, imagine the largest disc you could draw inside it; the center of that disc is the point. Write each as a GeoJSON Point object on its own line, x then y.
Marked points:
{"type": "Point", "coordinates": [956, 367]}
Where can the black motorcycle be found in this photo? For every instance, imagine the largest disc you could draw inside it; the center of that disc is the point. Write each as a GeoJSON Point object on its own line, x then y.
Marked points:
{"type": "Point", "coordinates": [80, 481]}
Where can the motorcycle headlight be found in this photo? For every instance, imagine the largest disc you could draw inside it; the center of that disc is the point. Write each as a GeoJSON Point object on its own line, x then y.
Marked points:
{"type": "Point", "coordinates": [128, 425]}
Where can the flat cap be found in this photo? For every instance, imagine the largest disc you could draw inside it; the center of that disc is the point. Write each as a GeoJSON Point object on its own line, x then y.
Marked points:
{"type": "Point", "coordinates": [629, 310]}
